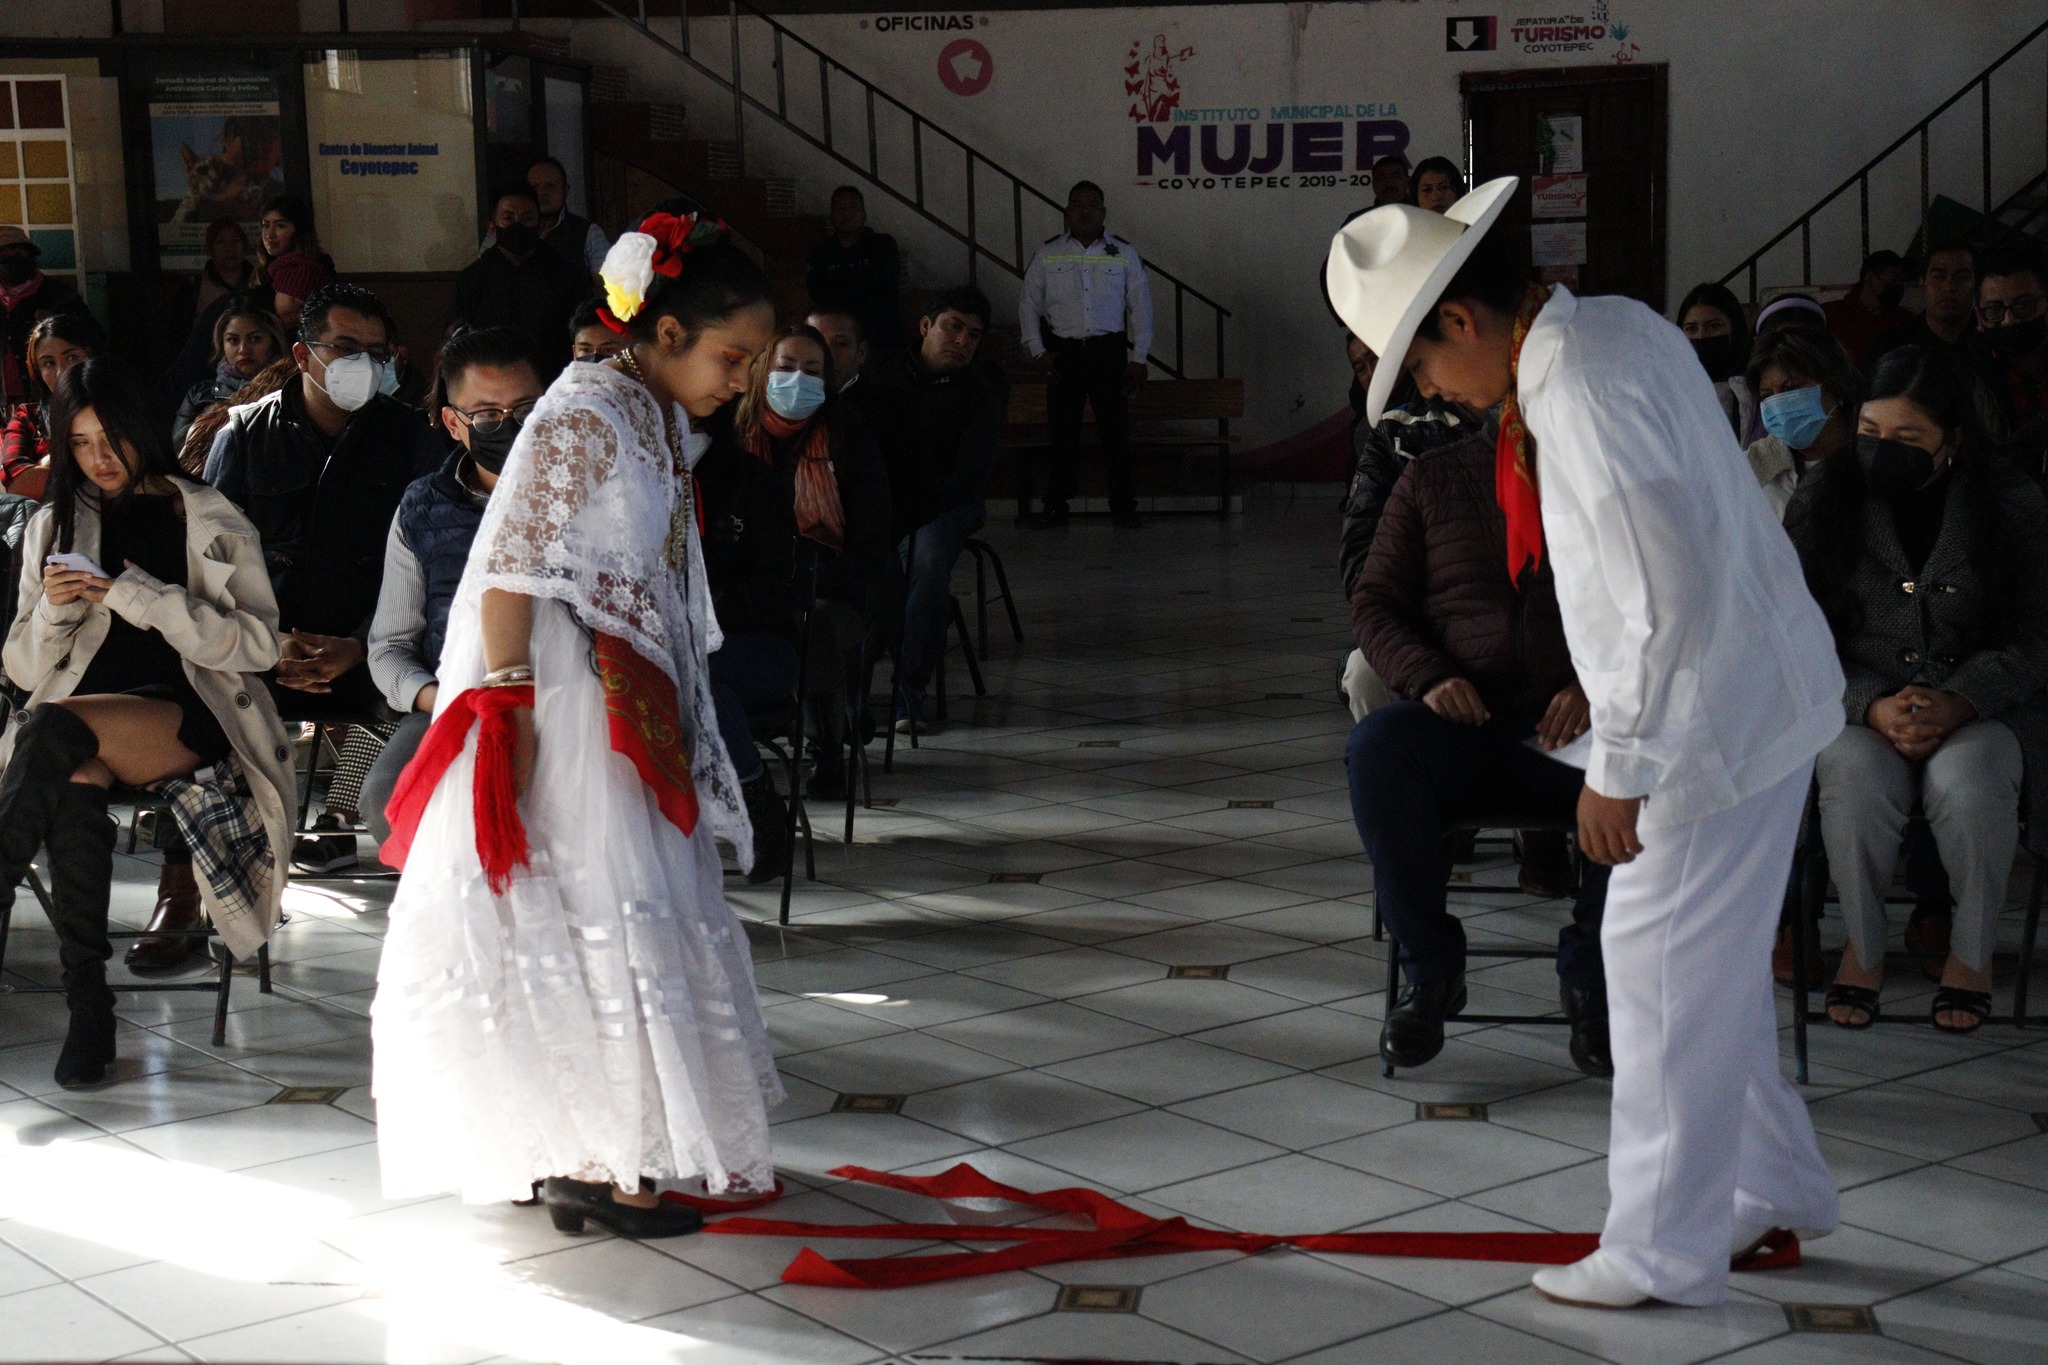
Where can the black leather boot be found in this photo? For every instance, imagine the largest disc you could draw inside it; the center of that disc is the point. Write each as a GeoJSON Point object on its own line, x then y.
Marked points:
{"type": "Point", "coordinates": [1587, 1009]}
{"type": "Point", "coordinates": [81, 842]}
{"type": "Point", "coordinates": [1414, 1029]}
{"type": "Point", "coordinates": [52, 745]}
{"type": "Point", "coordinates": [770, 818]}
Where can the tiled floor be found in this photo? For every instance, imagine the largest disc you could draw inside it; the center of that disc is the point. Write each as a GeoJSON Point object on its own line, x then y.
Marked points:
{"type": "Point", "coordinates": [1155, 781]}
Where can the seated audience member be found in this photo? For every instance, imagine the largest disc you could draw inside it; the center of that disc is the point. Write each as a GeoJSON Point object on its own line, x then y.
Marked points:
{"type": "Point", "coordinates": [1437, 184]}
{"type": "Point", "coordinates": [228, 269]}
{"type": "Point", "coordinates": [285, 226]}
{"type": "Point", "coordinates": [489, 384]}
{"type": "Point", "coordinates": [849, 346]}
{"type": "Point", "coordinates": [1929, 554]}
{"type": "Point", "coordinates": [589, 339]}
{"type": "Point", "coordinates": [294, 277]}
{"type": "Point", "coordinates": [27, 296]}
{"type": "Point", "coordinates": [1790, 310]}
{"type": "Point", "coordinates": [1872, 308]}
{"type": "Point", "coordinates": [1390, 183]}
{"type": "Point", "coordinates": [247, 339]}
{"type": "Point", "coordinates": [1948, 301]}
{"type": "Point", "coordinates": [937, 412]}
{"type": "Point", "coordinates": [1807, 391]}
{"type": "Point", "coordinates": [797, 507]}
{"type": "Point", "coordinates": [206, 425]}
{"type": "Point", "coordinates": [1481, 667]}
{"type": "Point", "coordinates": [2012, 336]}
{"type": "Point", "coordinates": [137, 673]}
{"type": "Point", "coordinates": [859, 269]}
{"type": "Point", "coordinates": [1713, 321]}
{"type": "Point", "coordinates": [54, 345]}
{"type": "Point", "coordinates": [519, 282]}
{"type": "Point", "coordinates": [319, 467]}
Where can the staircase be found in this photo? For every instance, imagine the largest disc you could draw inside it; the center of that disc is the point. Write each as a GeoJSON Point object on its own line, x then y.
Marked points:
{"type": "Point", "coordinates": [2001, 209]}
{"type": "Point", "coordinates": [944, 181]}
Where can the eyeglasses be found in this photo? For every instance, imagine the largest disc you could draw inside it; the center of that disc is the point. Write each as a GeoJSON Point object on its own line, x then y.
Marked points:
{"type": "Point", "coordinates": [2025, 308]}
{"type": "Point", "coordinates": [484, 421]}
{"type": "Point", "coordinates": [344, 348]}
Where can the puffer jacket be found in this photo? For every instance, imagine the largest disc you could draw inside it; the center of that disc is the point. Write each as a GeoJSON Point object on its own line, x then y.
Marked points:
{"type": "Point", "coordinates": [1379, 454]}
{"type": "Point", "coordinates": [1433, 600]}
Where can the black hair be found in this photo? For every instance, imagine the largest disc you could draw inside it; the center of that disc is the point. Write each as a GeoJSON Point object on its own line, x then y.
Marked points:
{"type": "Point", "coordinates": [522, 190]}
{"type": "Point", "coordinates": [1811, 354]}
{"type": "Point", "coordinates": [961, 298]}
{"type": "Point", "coordinates": [1945, 249]}
{"type": "Point", "coordinates": [717, 280]}
{"type": "Point", "coordinates": [1080, 185]}
{"type": "Point", "coordinates": [853, 190]}
{"type": "Point", "coordinates": [1722, 300]}
{"type": "Point", "coordinates": [291, 208]}
{"type": "Point", "coordinates": [117, 397]}
{"type": "Point", "coordinates": [249, 306]}
{"type": "Point", "coordinates": [1438, 165]}
{"type": "Point", "coordinates": [1828, 526]}
{"type": "Point", "coordinates": [585, 316]}
{"type": "Point", "coordinates": [2013, 258]}
{"type": "Point", "coordinates": [1879, 260]}
{"type": "Point", "coordinates": [355, 298]}
{"type": "Point", "coordinates": [835, 309]}
{"type": "Point", "coordinates": [1492, 277]}
{"type": "Point", "coordinates": [1400, 161]}
{"type": "Point", "coordinates": [79, 329]}
{"type": "Point", "coordinates": [496, 347]}
{"type": "Point", "coordinates": [540, 161]}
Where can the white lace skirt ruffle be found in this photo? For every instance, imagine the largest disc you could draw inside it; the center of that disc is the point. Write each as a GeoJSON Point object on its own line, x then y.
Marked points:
{"type": "Point", "coordinates": [599, 1020]}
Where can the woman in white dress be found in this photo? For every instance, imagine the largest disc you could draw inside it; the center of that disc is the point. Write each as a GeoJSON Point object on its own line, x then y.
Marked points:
{"type": "Point", "coordinates": [564, 994]}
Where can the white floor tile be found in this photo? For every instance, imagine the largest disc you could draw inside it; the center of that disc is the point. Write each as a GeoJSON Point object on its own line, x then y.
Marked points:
{"type": "Point", "coordinates": [63, 1322]}
{"type": "Point", "coordinates": [1144, 1151]}
{"type": "Point", "coordinates": [1278, 1305]}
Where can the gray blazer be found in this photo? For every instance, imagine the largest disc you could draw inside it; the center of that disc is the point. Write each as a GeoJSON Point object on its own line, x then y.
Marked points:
{"type": "Point", "coordinates": [1921, 628]}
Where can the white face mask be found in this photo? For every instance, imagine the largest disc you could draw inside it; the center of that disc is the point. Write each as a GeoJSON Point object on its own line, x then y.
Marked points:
{"type": "Point", "coordinates": [352, 380]}
{"type": "Point", "coordinates": [795, 395]}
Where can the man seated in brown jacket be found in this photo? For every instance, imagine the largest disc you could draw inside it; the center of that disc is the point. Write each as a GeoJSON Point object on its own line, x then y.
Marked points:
{"type": "Point", "coordinates": [1487, 692]}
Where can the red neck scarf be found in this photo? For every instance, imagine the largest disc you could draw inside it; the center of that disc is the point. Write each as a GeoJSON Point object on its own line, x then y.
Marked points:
{"type": "Point", "coordinates": [1514, 473]}
{"type": "Point", "coordinates": [818, 514]}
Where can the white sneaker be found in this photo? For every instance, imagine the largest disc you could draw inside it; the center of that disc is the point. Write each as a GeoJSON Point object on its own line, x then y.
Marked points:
{"type": "Point", "coordinates": [1596, 1282]}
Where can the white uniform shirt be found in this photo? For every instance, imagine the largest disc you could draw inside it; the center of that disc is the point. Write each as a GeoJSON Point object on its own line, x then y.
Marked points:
{"type": "Point", "coordinates": [1086, 291]}
{"type": "Point", "coordinates": [1711, 672]}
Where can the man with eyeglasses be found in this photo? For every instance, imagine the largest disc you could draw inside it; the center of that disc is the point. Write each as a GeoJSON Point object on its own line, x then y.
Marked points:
{"type": "Point", "coordinates": [2012, 334]}
{"type": "Point", "coordinates": [490, 381]}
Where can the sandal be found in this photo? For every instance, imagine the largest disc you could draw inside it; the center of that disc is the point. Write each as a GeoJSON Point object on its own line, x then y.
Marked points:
{"type": "Point", "coordinates": [1956, 1000]}
{"type": "Point", "coordinates": [1852, 998]}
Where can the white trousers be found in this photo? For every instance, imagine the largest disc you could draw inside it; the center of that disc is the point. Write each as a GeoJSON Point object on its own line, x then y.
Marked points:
{"type": "Point", "coordinates": [1707, 1133]}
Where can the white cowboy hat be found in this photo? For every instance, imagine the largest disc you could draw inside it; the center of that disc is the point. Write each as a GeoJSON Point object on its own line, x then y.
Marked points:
{"type": "Point", "coordinates": [1388, 267]}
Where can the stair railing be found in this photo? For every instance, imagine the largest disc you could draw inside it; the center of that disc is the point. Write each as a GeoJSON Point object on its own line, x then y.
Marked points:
{"type": "Point", "coordinates": [1859, 180]}
{"type": "Point", "coordinates": [1008, 253]}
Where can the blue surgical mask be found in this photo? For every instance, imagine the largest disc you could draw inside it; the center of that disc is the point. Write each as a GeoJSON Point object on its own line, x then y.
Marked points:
{"type": "Point", "coordinates": [1795, 416]}
{"type": "Point", "coordinates": [387, 377]}
{"type": "Point", "coordinates": [795, 395]}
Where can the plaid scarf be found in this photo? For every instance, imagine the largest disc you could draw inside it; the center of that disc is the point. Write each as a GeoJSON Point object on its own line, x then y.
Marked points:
{"type": "Point", "coordinates": [818, 513]}
{"type": "Point", "coordinates": [1514, 474]}
{"type": "Point", "coordinates": [216, 815]}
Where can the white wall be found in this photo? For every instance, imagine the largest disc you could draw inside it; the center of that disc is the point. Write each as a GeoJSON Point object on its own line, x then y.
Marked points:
{"type": "Point", "coordinates": [1772, 103]}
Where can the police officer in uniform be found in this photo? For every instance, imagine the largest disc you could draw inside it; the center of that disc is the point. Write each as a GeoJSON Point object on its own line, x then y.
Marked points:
{"type": "Point", "coordinates": [1086, 313]}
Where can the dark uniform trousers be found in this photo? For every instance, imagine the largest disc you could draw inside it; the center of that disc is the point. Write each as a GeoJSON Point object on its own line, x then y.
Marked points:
{"type": "Point", "coordinates": [1089, 372]}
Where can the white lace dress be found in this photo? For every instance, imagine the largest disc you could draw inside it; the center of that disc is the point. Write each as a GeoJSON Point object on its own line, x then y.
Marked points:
{"type": "Point", "coordinates": [599, 1019]}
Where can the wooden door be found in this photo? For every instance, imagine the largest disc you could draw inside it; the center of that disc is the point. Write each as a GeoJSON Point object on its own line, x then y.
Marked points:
{"type": "Point", "coordinates": [1588, 144]}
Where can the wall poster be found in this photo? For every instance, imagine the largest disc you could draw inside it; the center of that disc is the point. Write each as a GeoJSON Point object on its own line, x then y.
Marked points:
{"type": "Point", "coordinates": [217, 151]}
{"type": "Point", "coordinates": [393, 150]}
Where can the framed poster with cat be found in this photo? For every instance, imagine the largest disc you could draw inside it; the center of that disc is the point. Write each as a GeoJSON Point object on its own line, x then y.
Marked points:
{"type": "Point", "coordinates": [217, 151]}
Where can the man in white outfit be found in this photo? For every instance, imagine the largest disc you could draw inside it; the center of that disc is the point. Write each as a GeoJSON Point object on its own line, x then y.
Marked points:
{"type": "Point", "coordinates": [1713, 683]}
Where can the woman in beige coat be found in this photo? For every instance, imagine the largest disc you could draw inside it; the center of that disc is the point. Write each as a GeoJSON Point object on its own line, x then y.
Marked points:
{"type": "Point", "coordinates": [137, 673]}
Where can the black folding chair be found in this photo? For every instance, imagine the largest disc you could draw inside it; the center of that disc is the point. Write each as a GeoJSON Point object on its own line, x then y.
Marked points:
{"type": "Point", "coordinates": [985, 559]}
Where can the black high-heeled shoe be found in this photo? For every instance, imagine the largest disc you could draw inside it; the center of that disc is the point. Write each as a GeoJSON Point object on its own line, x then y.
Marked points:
{"type": "Point", "coordinates": [573, 1202]}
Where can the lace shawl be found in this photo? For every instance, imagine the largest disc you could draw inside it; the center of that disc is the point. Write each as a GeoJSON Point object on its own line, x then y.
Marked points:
{"type": "Point", "coordinates": [581, 515]}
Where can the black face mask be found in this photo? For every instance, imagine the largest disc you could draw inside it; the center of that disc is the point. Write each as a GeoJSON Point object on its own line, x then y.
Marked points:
{"type": "Point", "coordinates": [1893, 468]}
{"type": "Point", "coordinates": [2017, 339]}
{"type": "Point", "coordinates": [519, 239]}
{"type": "Point", "coordinates": [490, 449]}
{"type": "Point", "coordinates": [16, 267]}
{"type": "Point", "coordinates": [1717, 356]}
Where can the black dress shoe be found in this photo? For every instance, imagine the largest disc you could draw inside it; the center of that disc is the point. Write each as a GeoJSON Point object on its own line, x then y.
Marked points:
{"type": "Point", "coordinates": [1587, 1009]}
{"type": "Point", "coordinates": [573, 1202]}
{"type": "Point", "coordinates": [1414, 1029]}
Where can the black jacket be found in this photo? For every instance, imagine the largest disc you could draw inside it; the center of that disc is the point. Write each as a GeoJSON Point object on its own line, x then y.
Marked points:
{"type": "Point", "coordinates": [862, 278]}
{"type": "Point", "coordinates": [1379, 455]}
{"type": "Point", "coordinates": [940, 432]}
{"type": "Point", "coordinates": [538, 296]}
{"type": "Point", "coordinates": [323, 508]}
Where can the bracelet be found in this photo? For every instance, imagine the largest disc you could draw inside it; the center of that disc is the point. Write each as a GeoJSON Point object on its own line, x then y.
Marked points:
{"type": "Point", "coordinates": [514, 675]}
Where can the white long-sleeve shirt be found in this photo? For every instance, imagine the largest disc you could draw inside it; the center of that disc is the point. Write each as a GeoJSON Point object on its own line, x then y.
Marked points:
{"type": "Point", "coordinates": [1086, 291]}
{"type": "Point", "coordinates": [1711, 671]}
{"type": "Point", "coordinates": [398, 631]}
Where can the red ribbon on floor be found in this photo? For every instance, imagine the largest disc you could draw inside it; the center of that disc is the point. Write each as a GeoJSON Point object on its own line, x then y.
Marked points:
{"type": "Point", "coordinates": [1118, 1231]}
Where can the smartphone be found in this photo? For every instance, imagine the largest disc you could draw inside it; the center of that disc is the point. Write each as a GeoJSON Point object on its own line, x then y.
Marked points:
{"type": "Point", "coordinates": [77, 563]}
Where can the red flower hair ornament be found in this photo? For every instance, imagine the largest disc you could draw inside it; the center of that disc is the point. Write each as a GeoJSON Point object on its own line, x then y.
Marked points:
{"type": "Point", "coordinates": [656, 247]}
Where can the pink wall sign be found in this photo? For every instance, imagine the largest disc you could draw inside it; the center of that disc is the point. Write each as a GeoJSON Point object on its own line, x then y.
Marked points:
{"type": "Point", "coordinates": [965, 68]}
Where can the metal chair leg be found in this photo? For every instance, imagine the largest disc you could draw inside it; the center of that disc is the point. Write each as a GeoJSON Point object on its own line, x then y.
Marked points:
{"type": "Point", "coordinates": [263, 970]}
{"type": "Point", "coordinates": [981, 600]}
{"type": "Point", "coordinates": [967, 650]}
{"type": "Point", "coordinates": [1799, 917]}
{"type": "Point", "coordinates": [2028, 933]}
{"type": "Point", "coordinates": [220, 1001]}
{"type": "Point", "coordinates": [1009, 602]}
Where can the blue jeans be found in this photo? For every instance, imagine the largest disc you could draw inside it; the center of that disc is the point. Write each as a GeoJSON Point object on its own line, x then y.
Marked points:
{"type": "Point", "coordinates": [752, 668]}
{"type": "Point", "coordinates": [1412, 773]}
{"type": "Point", "coordinates": [929, 554]}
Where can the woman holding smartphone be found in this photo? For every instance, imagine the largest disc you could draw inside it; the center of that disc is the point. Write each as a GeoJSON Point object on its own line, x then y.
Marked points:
{"type": "Point", "coordinates": [139, 673]}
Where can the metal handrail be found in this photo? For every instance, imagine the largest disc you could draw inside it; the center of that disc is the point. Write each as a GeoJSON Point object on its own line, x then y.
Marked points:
{"type": "Point", "coordinates": [869, 166]}
{"type": "Point", "coordinates": [1859, 179]}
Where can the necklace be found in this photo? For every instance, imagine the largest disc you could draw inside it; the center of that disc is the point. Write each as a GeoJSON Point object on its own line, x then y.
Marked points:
{"type": "Point", "coordinates": [677, 548]}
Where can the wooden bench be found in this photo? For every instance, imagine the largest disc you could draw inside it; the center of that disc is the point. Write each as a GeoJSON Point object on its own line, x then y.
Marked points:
{"type": "Point", "coordinates": [1162, 413]}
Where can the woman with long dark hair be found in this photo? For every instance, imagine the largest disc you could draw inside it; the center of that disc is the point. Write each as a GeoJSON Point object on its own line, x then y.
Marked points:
{"type": "Point", "coordinates": [1929, 554]}
{"type": "Point", "coordinates": [1713, 321]}
{"type": "Point", "coordinates": [565, 995]}
{"type": "Point", "coordinates": [55, 344]}
{"type": "Point", "coordinates": [1436, 184]}
{"type": "Point", "coordinates": [247, 339]}
{"type": "Point", "coordinates": [228, 269]}
{"type": "Point", "coordinates": [139, 672]}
